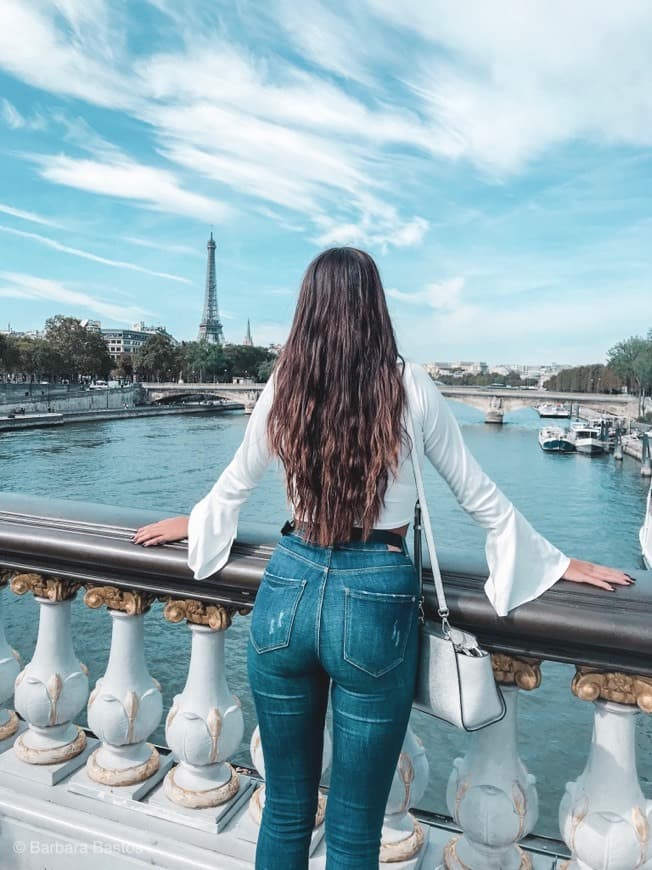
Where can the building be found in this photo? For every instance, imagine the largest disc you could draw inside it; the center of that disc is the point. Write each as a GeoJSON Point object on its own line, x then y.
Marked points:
{"type": "Point", "coordinates": [248, 340]}
{"type": "Point", "coordinates": [131, 340]}
{"type": "Point", "coordinates": [456, 369]}
{"type": "Point", "coordinates": [531, 371]}
{"type": "Point", "coordinates": [91, 325]}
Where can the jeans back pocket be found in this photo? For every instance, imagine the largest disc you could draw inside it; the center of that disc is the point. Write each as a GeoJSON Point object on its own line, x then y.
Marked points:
{"type": "Point", "coordinates": [274, 611]}
{"type": "Point", "coordinates": [376, 629]}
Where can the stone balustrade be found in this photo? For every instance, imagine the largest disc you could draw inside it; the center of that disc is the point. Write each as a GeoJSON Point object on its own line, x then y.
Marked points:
{"type": "Point", "coordinates": [55, 551]}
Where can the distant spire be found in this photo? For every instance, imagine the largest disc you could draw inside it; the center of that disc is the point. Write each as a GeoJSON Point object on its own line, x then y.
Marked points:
{"type": "Point", "coordinates": [248, 340]}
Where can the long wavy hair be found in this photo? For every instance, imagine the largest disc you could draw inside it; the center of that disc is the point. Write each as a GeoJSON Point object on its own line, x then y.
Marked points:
{"type": "Point", "coordinates": [336, 418]}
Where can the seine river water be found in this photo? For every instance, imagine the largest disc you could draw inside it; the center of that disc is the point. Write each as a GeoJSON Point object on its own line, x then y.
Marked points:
{"type": "Point", "coordinates": [590, 508]}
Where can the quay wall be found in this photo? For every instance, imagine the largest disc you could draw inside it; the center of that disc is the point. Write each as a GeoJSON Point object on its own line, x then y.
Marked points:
{"type": "Point", "coordinates": [39, 401]}
{"type": "Point", "coordinates": [94, 416]}
{"type": "Point", "coordinates": [145, 411]}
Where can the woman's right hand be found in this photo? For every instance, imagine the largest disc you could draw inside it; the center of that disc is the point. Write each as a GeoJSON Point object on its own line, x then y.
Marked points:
{"type": "Point", "coordinates": [579, 571]}
{"type": "Point", "coordinates": [162, 532]}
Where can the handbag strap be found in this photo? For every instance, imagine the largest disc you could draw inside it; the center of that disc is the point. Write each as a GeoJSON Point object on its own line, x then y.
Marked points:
{"type": "Point", "coordinates": [422, 510]}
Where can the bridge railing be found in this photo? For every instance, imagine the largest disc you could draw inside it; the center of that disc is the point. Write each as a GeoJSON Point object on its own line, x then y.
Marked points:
{"type": "Point", "coordinates": [55, 550]}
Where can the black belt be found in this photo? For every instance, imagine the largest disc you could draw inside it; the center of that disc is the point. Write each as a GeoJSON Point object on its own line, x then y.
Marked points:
{"type": "Point", "coordinates": [379, 536]}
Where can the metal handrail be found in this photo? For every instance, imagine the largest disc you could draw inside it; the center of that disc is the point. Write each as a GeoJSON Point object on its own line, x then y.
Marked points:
{"type": "Point", "coordinates": [90, 543]}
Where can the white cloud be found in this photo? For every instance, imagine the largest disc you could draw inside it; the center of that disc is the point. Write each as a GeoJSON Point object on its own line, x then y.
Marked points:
{"type": "Point", "coordinates": [443, 295]}
{"type": "Point", "coordinates": [28, 216]}
{"type": "Point", "coordinates": [168, 247]}
{"type": "Point", "coordinates": [15, 120]}
{"type": "Point", "coordinates": [539, 329]}
{"type": "Point", "coordinates": [20, 285]}
{"type": "Point", "coordinates": [265, 128]}
{"type": "Point", "coordinates": [372, 231]}
{"type": "Point", "coordinates": [502, 83]}
{"type": "Point", "coordinates": [84, 58]}
{"type": "Point", "coordinates": [155, 188]}
{"type": "Point", "coordinates": [87, 255]}
{"type": "Point", "coordinates": [10, 115]}
{"type": "Point", "coordinates": [488, 84]}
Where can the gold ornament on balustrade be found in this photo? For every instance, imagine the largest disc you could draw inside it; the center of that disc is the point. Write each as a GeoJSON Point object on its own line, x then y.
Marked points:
{"type": "Point", "coordinates": [215, 616]}
{"type": "Point", "coordinates": [453, 862]}
{"type": "Point", "coordinates": [130, 601]}
{"type": "Point", "coordinates": [52, 588]}
{"type": "Point", "coordinates": [633, 690]}
{"type": "Point", "coordinates": [525, 673]}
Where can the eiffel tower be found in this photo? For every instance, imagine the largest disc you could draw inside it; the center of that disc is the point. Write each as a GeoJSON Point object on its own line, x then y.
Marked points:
{"type": "Point", "coordinates": [210, 328]}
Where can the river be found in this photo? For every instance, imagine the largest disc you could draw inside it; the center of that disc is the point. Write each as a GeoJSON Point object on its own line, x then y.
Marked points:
{"type": "Point", "coordinates": [589, 507]}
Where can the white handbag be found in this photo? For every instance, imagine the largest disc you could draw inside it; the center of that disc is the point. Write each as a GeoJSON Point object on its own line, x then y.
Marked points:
{"type": "Point", "coordinates": [455, 680]}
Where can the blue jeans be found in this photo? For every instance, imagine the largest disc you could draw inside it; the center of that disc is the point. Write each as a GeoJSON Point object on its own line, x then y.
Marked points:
{"type": "Point", "coordinates": [343, 618]}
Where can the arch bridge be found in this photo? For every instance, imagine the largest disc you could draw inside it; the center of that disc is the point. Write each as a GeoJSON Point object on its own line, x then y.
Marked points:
{"type": "Point", "coordinates": [493, 402]}
{"type": "Point", "coordinates": [496, 402]}
{"type": "Point", "coordinates": [159, 393]}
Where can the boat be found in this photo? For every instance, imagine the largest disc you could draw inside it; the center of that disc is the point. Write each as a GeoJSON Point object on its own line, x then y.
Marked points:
{"type": "Point", "coordinates": [553, 409]}
{"type": "Point", "coordinates": [586, 438]}
{"type": "Point", "coordinates": [554, 439]}
{"type": "Point", "coordinates": [645, 532]}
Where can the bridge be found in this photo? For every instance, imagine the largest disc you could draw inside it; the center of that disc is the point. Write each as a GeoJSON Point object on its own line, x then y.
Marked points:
{"type": "Point", "coordinates": [166, 393]}
{"type": "Point", "coordinates": [494, 402]}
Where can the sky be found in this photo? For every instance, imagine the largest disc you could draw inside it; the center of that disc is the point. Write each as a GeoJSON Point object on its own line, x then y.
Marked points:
{"type": "Point", "coordinates": [495, 159]}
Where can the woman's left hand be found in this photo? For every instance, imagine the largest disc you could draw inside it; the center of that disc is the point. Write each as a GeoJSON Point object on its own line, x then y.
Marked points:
{"type": "Point", "coordinates": [596, 575]}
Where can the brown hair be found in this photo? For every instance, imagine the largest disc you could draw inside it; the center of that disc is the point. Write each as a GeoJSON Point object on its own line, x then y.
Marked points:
{"type": "Point", "coordinates": [336, 417]}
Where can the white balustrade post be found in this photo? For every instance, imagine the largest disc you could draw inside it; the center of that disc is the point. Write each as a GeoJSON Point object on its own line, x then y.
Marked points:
{"type": "Point", "coordinates": [604, 817]}
{"type": "Point", "coordinates": [9, 669]}
{"type": "Point", "coordinates": [490, 794]}
{"type": "Point", "coordinates": [126, 704]}
{"type": "Point", "coordinates": [205, 725]}
{"type": "Point", "coordinates": [403, 836]}
{"type": "Point", "coordinates": [52, 689]}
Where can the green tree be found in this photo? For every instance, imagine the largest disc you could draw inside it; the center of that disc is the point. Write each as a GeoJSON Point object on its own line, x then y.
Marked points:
{"type": "Point", "coordinates": [264, 371]}
{"type": "Point", "coordinates": [39, 359]}
{"type": "Point", "coordinates": [202, 360]}
{"type": "Point", "coordinates": [632, 360]}
{"type": "Point", "coordinates": [124, 366]}
{"type": "Point", "coordinates": [9, 354]}
{"type": "Point", "coordinates": [158, 358]}
{"type": "Point", "coordinates": [244, 360]}
{"type": "Point", "coordinates": [81, 351]}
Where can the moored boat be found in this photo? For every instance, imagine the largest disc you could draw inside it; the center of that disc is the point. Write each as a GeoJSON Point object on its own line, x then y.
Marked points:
{"type": "Point", "coordinates": [586, 439]}
{"type": "Point", "coordinates": [553, 409]}
{"type": "Point", "coordinates": [554, 439]}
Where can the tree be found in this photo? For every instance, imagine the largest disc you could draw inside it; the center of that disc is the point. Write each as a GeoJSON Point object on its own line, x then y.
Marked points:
{"type": "Point", "coordinates": [158, 357]}
{"type": "Point", "coordinates": [124, 367]}
{"type": "Point", "coordinates": [244, 360]}
{"type": "Point", "coordinates": [81, 351]}
{"type": "Point", "coordinates": [202, 360]}
{"type": "Point", "coordinates": [595, 378]}
{"type": "Point", "coordinates": [9, 354]}
{"type": "Point", "coordinates": [632, 360]}
{"type": "Point", "coordinates": [264, 371]}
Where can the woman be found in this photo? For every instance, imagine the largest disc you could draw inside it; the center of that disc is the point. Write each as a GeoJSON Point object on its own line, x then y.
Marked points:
{"type": "Point", "coordinates": [337, 607]}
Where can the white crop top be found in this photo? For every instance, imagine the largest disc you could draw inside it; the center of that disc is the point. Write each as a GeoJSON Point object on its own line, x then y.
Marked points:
{"type": "Point", "coordinates": [522, 563]}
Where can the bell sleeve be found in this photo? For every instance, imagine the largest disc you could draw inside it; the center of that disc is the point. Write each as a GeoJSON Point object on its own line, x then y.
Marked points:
{"type": "Point", "coordinates": [213, 521]}
{"type": "Point", "coordinates": [522, 563]}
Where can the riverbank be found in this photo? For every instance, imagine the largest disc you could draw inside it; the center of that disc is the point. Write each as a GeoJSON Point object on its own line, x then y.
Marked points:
{"type": "Point", "coordinates": [31, 421]}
